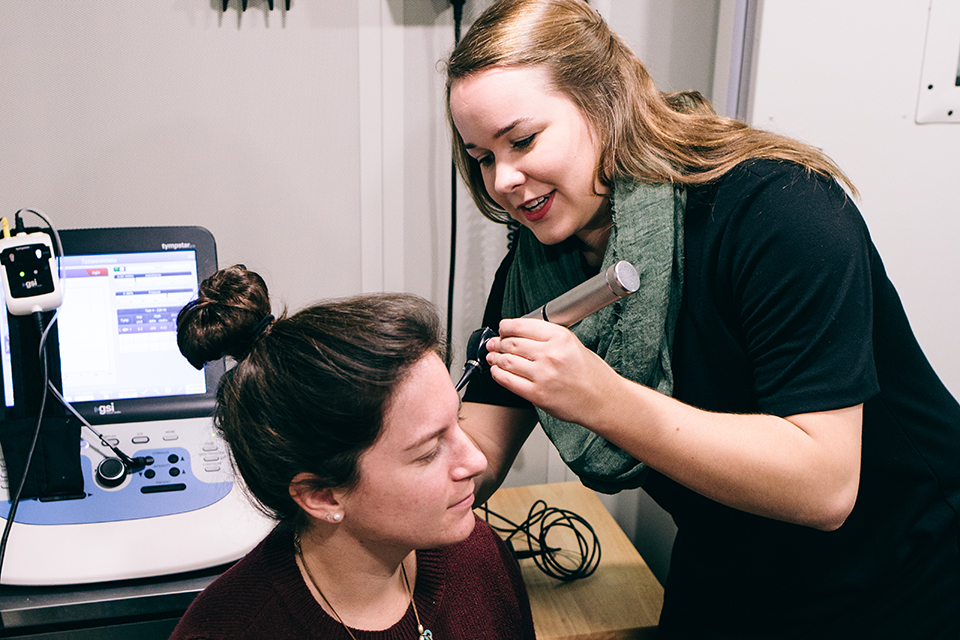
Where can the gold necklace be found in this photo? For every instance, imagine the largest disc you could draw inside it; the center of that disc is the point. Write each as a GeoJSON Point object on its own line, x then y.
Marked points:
{"type": "Point", "coordinates": [425, 634]}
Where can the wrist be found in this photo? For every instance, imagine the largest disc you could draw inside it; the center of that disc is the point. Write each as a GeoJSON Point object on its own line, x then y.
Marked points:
{"type": "Point", "coordinates": [612, 394]}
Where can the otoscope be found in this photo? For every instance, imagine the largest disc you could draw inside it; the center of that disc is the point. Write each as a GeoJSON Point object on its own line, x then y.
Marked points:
{"type": "Point", "coordinates": [618, 281]}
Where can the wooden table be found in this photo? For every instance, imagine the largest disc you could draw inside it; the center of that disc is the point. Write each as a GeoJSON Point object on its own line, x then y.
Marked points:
{"type": "Point", "coordinates": [621, 600]}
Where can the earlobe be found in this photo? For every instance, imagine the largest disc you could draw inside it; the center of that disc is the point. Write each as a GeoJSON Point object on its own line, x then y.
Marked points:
{"type": "Point", "coordinates": [321, 504]}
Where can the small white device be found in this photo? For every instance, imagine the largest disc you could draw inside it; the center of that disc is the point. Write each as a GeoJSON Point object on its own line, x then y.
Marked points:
{"type": "Point", "coordinates": [30, 278]}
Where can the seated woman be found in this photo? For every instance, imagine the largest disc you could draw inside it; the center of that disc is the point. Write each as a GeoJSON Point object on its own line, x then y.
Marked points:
{"type": "Point", "coordinates": [343, 421]}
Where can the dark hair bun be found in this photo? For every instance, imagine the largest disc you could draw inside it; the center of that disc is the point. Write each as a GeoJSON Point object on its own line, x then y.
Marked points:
{"type": "Point", "coordinates": [230, 304]}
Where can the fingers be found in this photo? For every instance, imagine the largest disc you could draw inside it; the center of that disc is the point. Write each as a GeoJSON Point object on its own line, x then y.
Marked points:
{"type": "Point", "coordinates": [548, 365]}
{"type": "Point", "coordinates": [527, 352]}
{"type": "Point", "coordinates": [509, 356]}
{"type": "Point", "coordinates": [512, 363]}
{"type": "Point", "coordinates": [529, 328]}
{"type": "Point", "coordinates": [517, 341]}
{"type": "Point", "coordinates": [515, 333]}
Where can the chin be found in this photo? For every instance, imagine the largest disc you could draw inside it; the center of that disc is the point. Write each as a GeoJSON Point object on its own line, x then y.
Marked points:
{"type": "Point", "coordinates": [550, 236]}
{"type": "Point", "coordinates": [461, 530]}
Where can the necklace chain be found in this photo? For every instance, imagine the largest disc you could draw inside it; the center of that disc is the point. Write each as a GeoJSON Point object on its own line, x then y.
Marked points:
{"type": "Point", "coordinates": [424, 634]}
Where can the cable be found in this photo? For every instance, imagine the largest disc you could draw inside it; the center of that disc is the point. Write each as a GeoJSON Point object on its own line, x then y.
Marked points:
{"type": "Point", "coordinates": [457, 19]}
{"type": "Point", "coordinates": [56, 240]}
{"type": "Point", "coordinates": [15, 503]}
{"type": "Point", "coordinates": [513, 230]}
{"type": "Point", "coordinates": [132, 464]}
{"type": "Point", "coordinates": [513, 226]}
{"type": "Point", "coordinates": [541, 521]}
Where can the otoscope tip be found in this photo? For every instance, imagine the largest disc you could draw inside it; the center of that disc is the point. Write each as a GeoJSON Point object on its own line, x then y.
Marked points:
{"type": "Point", "coordinates": [468, 370]}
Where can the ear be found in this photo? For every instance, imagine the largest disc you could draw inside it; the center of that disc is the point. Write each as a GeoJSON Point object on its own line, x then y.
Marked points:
{"type": "Point", "coordinates": [322, 504]}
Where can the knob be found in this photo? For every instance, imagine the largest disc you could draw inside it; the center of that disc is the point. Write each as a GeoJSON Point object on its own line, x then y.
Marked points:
{"type": "Point", "coordinates": [111, 472]}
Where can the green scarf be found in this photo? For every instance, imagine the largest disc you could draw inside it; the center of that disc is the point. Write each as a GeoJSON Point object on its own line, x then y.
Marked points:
{"type": "Point", "coordinates": [633, 335]}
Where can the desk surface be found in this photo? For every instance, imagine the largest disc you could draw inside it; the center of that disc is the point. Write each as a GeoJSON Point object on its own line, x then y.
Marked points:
{"type": "Point", "coordinates": [620, 601]}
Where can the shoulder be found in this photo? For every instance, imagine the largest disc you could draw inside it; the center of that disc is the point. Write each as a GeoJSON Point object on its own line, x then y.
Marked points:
{"type": "Point", "coordinates": [226, 607]}
{"type": "Point", "coordinates": [778, 259]}
{"type": "Point", "coordinates": [761, 171]}
{"type": "Point", "coordinates": [233, 603]}
{"type": "Point", "coordinates": [771, 185]}
{"type": "Point", "coordinates": [760, 202]}
{"type": "Point", "coordinates": [482, 568]}
{"type": "Point", "coordinates": [482, 590]}
{"type": "Point", "coordinates": [482, 554]}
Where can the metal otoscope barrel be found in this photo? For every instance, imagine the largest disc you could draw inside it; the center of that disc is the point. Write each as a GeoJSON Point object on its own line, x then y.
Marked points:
{"type": "Point", "coordinates": [618, 281]}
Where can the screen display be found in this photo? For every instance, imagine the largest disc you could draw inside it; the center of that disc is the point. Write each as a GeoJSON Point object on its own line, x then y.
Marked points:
{"type": "Point", "coordinates": [117, 327]}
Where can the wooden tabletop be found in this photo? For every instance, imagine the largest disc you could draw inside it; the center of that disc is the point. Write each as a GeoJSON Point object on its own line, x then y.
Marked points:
{"type": "Point", "coordinates": [620, 601]}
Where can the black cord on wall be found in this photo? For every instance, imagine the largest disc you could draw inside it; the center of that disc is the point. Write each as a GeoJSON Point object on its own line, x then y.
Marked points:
{"type": "Point", "coordinates": [457, 19]}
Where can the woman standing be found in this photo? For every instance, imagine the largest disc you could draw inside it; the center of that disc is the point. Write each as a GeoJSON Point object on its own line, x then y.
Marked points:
{"type": "Point", "coordinates": [763, 386]}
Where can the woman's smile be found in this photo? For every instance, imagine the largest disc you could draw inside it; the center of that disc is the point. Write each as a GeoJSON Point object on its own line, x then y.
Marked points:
{"type": "Point", "coordinates": [536, 209]}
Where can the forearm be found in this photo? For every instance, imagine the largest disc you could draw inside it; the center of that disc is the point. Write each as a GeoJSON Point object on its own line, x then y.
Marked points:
{"type": "Point", "coordinates": [802, 469]}
{"type": "Point", "coordinates": [487, 484]}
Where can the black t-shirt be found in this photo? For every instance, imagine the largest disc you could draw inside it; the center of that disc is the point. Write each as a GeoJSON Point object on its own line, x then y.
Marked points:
{"type": "Point", "coordinates": [787, 309]}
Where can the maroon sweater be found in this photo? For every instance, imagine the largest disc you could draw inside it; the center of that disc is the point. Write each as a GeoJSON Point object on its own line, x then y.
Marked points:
{"type": "Point", "coordinates": [470, 591]}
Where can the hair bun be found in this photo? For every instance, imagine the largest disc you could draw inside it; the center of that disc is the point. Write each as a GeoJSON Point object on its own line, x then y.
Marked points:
{"type": "Point", "coordinates": [232, 308]}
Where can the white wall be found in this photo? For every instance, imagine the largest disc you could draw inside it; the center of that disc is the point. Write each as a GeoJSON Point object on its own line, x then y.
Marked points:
{"type": "Point", "coordinates": [142, 114]}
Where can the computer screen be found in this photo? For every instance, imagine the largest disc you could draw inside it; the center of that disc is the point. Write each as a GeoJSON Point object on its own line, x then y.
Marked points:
{"type": "Point", "coordinates": [115, 339]}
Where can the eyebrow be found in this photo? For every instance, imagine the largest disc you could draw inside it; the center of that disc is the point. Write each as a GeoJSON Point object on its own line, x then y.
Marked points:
{"type": "Point", "coordinates": [500, 132]}
{"type": "Point", "coordinates": [424, 440]}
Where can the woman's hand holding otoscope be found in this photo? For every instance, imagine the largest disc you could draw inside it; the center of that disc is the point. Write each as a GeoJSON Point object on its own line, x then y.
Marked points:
{"type": "Point", "coordinates": [618, 281]}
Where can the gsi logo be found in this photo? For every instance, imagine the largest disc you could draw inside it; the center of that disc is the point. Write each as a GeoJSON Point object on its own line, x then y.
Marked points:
{"type": "Point", "coordinates": [107, 409]}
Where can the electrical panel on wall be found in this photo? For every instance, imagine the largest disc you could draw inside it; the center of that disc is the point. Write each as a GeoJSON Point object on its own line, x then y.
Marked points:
{"type": "Point", "coordinates": [939, 99]}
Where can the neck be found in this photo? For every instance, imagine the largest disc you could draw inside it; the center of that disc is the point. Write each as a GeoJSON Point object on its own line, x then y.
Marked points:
{"type": "Point", "coordinates": [365, 590]}
{"type": "Point", "coordinates": [596, 234]}
{"type": "Point", "coordinates": [595, 244]}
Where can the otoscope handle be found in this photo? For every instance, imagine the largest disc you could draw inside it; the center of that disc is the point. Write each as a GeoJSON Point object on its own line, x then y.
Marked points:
{"type": "Point", "coordinates": [617, 281]}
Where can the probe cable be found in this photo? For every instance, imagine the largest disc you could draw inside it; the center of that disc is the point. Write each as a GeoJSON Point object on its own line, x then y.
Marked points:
{"type": "Point", "coordinates": [541, 521]}
{"type": "Point", "coordinates": [132, 465]}
{"type": "Point", "coordinates": [44, 331]}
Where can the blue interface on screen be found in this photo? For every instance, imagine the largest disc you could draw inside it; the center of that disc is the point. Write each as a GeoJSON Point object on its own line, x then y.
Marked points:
{"type": "Point", "coordinates": [117, 327]}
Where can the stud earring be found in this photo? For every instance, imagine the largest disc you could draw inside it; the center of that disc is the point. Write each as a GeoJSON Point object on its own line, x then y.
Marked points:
{"type": "Point", "coordinates": [328, 516]}
{"type": "Point", "coordinates": [336, 517]}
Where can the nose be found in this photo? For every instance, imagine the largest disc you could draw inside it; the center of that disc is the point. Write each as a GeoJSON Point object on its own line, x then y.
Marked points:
{"type": "Point", "coordinates": [507, 178]}
{"type": "Point", "coordinates": [471, 461]}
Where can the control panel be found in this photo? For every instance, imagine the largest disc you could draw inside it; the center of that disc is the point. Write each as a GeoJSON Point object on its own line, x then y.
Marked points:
{"type": "Point", "coordinates": [184, 510]}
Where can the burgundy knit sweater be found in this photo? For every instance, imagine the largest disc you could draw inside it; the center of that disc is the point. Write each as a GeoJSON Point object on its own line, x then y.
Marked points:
{"type": "Point", "coordinates": [468, 591]}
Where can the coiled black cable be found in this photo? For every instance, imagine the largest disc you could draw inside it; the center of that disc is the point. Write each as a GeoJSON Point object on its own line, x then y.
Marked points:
{"type": "Point", "coordinates": [542, 520]}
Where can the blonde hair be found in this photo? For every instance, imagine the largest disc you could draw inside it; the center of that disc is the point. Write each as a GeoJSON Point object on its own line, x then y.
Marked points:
{"type": "Point", "coordinates": [643, 133]}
